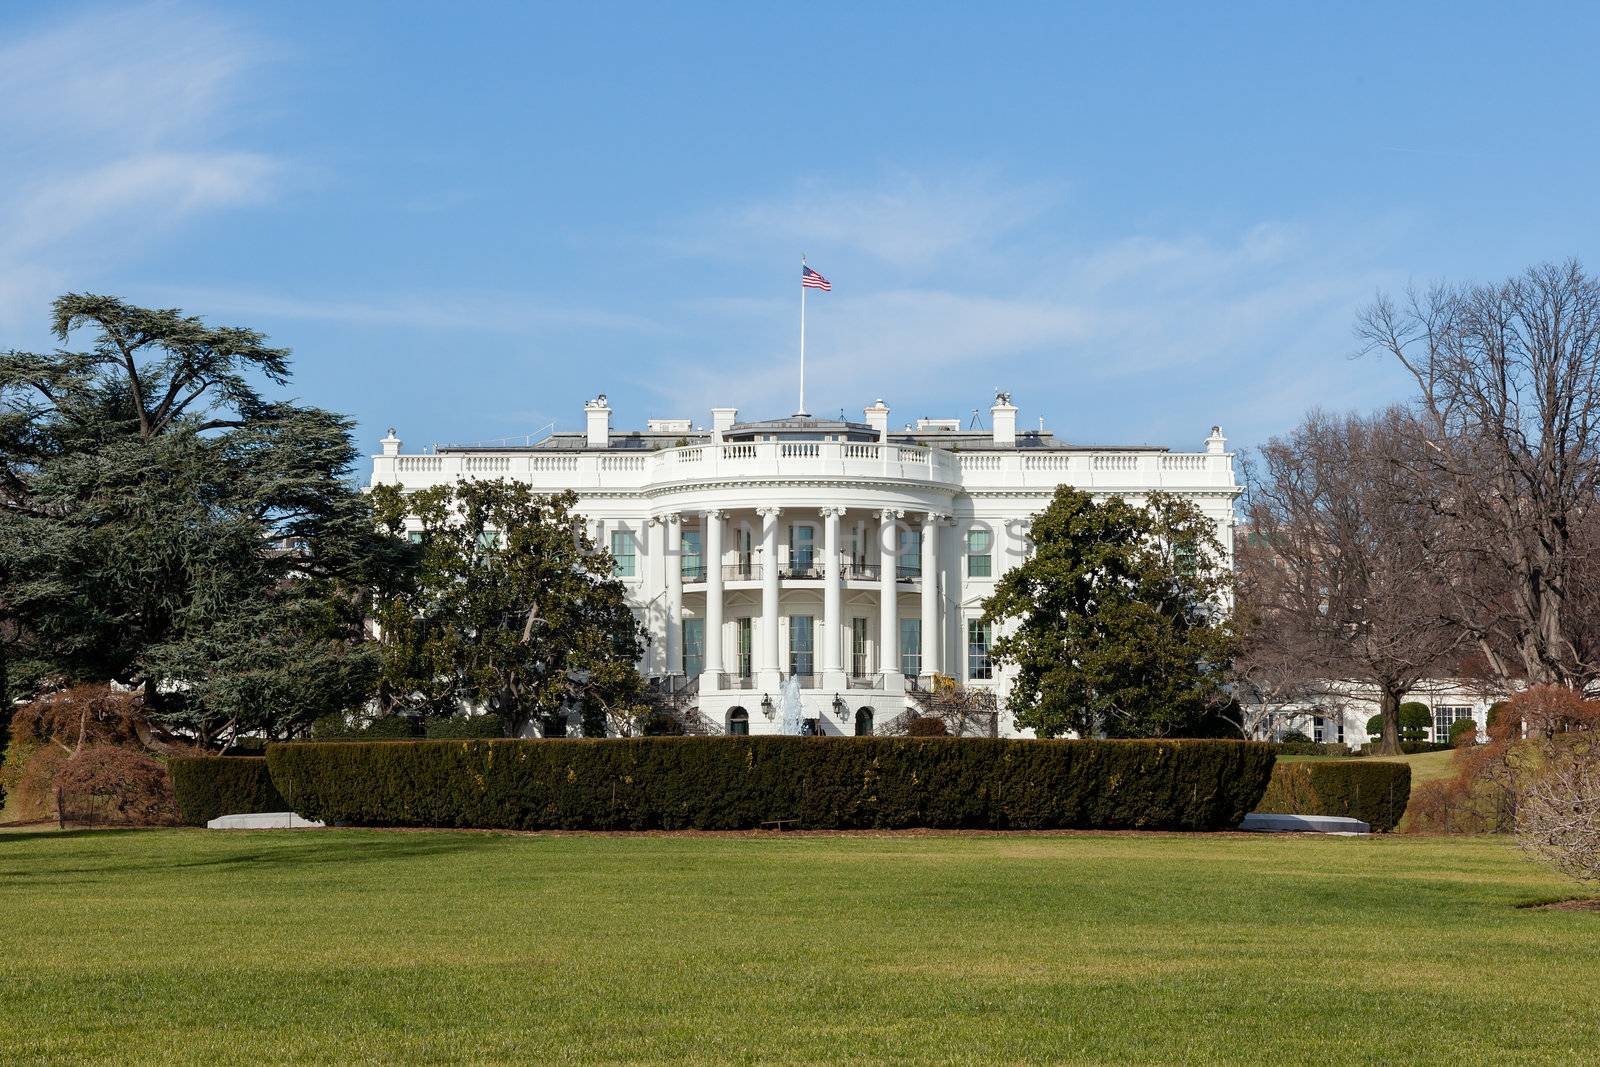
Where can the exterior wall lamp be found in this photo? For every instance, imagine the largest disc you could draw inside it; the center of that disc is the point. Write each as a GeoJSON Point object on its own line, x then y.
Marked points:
{"type": "Point", "coordinates": [766, 705]}
{"type": "Point", "coordinates": [840, 707]}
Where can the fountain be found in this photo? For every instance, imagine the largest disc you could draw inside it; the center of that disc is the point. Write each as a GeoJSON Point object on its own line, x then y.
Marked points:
{"type": "Point", "coordinates": [792, 721]}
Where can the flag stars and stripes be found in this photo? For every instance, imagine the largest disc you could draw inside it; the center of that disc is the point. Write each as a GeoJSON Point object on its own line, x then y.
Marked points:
{"type": "Point", "coordinates": [810, 279]}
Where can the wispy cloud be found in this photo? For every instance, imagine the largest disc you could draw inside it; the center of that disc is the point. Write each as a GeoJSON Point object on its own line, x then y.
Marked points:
{"type": "Point", "coordinates": [979, 285]}
{"type": "Point", "coordinates": [477, 312]}
{"type": "Point", "coordinates": [114, 125]}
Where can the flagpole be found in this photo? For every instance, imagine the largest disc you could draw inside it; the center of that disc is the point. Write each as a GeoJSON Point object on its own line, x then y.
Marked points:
{"type": "Point", "coordinates": [802, 410]}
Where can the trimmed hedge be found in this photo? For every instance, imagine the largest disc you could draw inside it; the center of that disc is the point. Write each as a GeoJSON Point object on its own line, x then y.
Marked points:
{"type": "Point", "coordinates": [737, 783]}
{"type": "Point", "coordinates": [1373, 791]}
{"type": "Point", "coordinates": [1311, 748]}
{"type": "Point", "coordinates": [457, 727]}
{"type": "Point", "coordinates": [209, 786]}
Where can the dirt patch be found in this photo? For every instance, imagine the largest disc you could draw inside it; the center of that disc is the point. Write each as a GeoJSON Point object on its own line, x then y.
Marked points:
{"type": "Point", "coordinates": [1578, 904]}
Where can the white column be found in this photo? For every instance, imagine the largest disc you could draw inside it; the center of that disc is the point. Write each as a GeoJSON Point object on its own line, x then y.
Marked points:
{"type": "Point", "coordinates": [712, 547]}
{"type": "Point", "coordinates": [769, 664]}
{"type": "Point", "coordinates": [672, 557]}
{"type": "Point", "coordinates": [888, 595]}
{"type": "Point", "coordinates": [930, 593]}
{"type": "Point", "coordinates": [832, 668]}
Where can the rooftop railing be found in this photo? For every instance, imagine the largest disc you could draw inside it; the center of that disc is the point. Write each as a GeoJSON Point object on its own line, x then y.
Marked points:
{"type": "Point", "coordinates": [802, 460]}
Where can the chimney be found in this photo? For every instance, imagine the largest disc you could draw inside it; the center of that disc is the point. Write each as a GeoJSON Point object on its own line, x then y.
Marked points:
{"type": "Point", "coordinates": [598, 415]}
{"type": "Point", "coordinates": [1003, 418]}
{"type": "Point", "coordinates": [878, 418]}
{"type": "Point", "coordinates": [1216, 444]}
{"type": "Point", "coordinates": [721, 420]}
{"type": "Point", "coordinates": [391, 444]}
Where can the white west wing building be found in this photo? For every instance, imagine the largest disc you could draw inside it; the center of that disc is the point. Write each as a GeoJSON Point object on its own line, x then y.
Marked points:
{"type": "Point", "coordinates": [849, 556]}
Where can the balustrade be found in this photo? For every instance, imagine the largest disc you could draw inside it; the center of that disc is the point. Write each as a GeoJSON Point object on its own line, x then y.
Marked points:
{"type": "Point", "coordinates": [803, 460]}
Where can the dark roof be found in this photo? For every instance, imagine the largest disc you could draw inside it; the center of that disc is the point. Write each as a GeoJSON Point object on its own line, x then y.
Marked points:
{"type": "Point", "coordinates": [653, 440]}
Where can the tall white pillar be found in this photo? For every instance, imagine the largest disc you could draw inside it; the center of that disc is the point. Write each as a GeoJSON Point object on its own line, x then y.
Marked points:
{"type": "Point", "coordinates": [712, 547]}
{"type": "Point", "coordinates": [888, 595]}
{"type": "Point", "coordinates": [930, 593]}
{"type": "Point", "coordinates": [770, 665]}
{"type": "Point", "coordinates": [672, 559]}
{"type": "Point", "coordinates": [832, 667]}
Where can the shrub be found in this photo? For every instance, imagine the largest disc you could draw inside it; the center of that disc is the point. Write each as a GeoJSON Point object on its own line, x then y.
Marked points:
{"type": "Point", "coordinates": [927, 726]}
{"type": "Point", "coordinates": [1295, 737]}
{"type": "Point", "coordinates": [1415, 718]}
{"type": "Point", "coordinates": [1558, 807]}
{"type": "Point", "coordinates": [1463, 732]}
{"type": "Point", "coordinates": [1311, 748]}
{"type": "Point", "coordinates": [109, 783]}
{"type": "Point", "coordinates": [463, 727]}
{"type": "Point", "coordinates": [1374, 792]}
{"type": "Point", "coordinates": [730, 783]}
{"type": "Point", "coordinates": [1375, 726]}
{"type": "Point", "coordinates": [209, 786]}
{"type": "Point", "coordinates": [1410, 748]}
{"type": "Point", "coordinates": [341, 727]}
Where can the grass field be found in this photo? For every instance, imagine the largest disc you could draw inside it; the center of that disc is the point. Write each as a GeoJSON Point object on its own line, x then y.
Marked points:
{"type": "Point", "coordinates": [364, 946]}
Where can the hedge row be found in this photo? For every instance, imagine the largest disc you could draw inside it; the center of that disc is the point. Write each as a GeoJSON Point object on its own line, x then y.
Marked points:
{"type": "Point", "coordinates": [209, 786]}
{"type": "Point", "coordinates": [1373, 791]}
{"type": "Point", "coordinates": [734, 783]}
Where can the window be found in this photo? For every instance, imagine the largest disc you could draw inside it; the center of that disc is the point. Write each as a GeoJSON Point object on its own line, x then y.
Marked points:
{"type": "Point", "coordinates": [910, 647]}
{"type": "Point", "coordinates": [978, 667]}
{"type": "Point", "coordinates": [909, 564]}
{"type": "Point", "coordinates": [858, 647]}
{"type": "Point", "coordinates": [694, 647]}
{"type": "Point", "coordinates": [746, 644]}
{"type": "Point", "coordinates": [744, 545]}
{"type": "Point", "coordinates": [694, 561]}
{"type": "Point", "coordinates": [415, 537]}
{"type": "Point", "coordinates": [800, 648]}
{"type": "Point", "coordinates": [863, 722]}
{"type": "Point", "coordinates": [980, 564]}
{"type": "Point", "coordinates": [802, 548]}
{"type": "Point", "coordinates": [1446, 717]}
{"type": "Point", "coordinates": [624, 556]}
{"type": "Point", "coordinates": [488, 540]}
{"type": "Point", "coordinates": [1186, 558]}
{"type": "Point", "coordinates": [1339, 726]}
{"type": "Point", "coordinates": [1316, 729]}
{"type": "Point", "coordinates": [738, 722]}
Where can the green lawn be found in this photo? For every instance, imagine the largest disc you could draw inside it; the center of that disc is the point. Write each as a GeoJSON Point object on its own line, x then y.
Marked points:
{"type": "Point", "coordinates": [358, 946]}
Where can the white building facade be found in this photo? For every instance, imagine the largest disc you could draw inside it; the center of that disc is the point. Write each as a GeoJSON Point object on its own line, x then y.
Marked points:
{"type": "Point", "coordinates": [846, 555]}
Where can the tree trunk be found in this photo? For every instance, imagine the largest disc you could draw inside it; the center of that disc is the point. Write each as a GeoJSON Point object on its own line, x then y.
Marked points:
{"type": "Point", "coordinates": [1389, 708]}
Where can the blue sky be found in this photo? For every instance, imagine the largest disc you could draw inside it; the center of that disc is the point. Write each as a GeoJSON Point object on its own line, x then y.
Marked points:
{"type": "Point", "coordinates": [466, 219]}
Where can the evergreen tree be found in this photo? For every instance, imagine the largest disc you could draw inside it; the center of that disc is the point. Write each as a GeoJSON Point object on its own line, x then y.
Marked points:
{"type": "Point", "coordinates": [168, 526]}
{"type": "Point", "coordinates": [1115, 626]}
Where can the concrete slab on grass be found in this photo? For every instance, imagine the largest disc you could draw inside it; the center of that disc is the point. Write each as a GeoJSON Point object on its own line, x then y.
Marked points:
{"type": "Point", "coordinates": [264, 820]}
{"type": "Point", "coordinates": [1304, 824]}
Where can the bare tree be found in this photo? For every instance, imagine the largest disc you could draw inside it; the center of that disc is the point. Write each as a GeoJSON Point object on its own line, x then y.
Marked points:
{"type": "Point", "coordinates": [1508, 376]}
{"type": "Point", "coordinates": [1344, 589]}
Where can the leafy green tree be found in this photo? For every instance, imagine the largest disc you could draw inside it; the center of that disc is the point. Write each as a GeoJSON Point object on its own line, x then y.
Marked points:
{"type": "Point", "coordinates": [168, 526]}
{"type": "Point", "coordinates": [1115, 626]}
{"type": "Point", "coordinates": [513, 610]}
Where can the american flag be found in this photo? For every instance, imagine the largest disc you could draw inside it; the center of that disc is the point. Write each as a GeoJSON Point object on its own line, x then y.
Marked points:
{"type": "Point", "coordinates": [810, 279]}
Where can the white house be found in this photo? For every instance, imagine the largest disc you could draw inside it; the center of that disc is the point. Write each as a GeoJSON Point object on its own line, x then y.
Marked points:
{"type": "Point", "coordinates": [1341, 716]}
{"type": "Point", "coordinates": [847, 555]}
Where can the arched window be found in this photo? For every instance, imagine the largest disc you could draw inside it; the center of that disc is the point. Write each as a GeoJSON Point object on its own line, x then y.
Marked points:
{"type": "Point", "coordinates": [738, 722]}
{"type": "Point", "coordinates": [863, 722]}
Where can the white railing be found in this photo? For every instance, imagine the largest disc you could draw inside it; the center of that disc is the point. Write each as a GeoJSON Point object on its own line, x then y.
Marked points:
{"type": "Point", "coordinates": [802, 460]}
